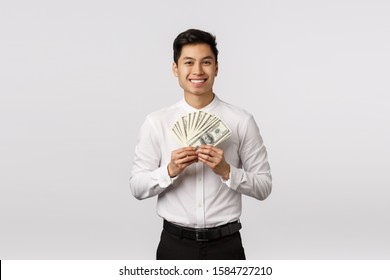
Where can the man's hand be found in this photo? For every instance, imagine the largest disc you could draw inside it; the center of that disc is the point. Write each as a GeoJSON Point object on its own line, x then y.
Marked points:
{"type": "Point", "coordinates": [180, 159]}
{"type": "Point", "coordinates": [215, 159]}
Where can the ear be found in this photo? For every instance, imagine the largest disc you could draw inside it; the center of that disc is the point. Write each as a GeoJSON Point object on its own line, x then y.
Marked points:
{"type": "Point", "coordinates": [216, 70]}
{"type": "Point", "coordinates": [174, 69]}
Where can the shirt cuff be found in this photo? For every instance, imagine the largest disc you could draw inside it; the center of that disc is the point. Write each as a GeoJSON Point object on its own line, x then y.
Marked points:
{"type": "Point", "coordinates": [163, 177]}
{"type": "Point", "coordinates": [235, 177]}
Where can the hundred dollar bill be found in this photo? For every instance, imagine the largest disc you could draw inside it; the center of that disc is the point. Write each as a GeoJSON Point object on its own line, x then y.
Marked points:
{"type": "Point", "coordinates": [198, 128]}
{"type": "Point", "coordinates": [177, 135]}
{"type": "Point", "coordinates": [190, 125]}
{"type": "Point", "coordinates": [211, 135]}
{"type": "Point", "coordinates": [184, 122]}
{"type": "Point", "coordinates": [199, 119]}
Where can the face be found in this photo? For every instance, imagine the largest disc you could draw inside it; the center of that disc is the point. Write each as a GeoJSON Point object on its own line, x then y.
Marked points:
{"type": "Point", "coordinates": [196, 69]}
{"type": "Point", "coordinates": [207, 139]}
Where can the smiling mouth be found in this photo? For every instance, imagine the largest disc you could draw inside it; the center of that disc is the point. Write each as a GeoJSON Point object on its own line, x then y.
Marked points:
{"type": "Point", "coordinates": [197, 81]}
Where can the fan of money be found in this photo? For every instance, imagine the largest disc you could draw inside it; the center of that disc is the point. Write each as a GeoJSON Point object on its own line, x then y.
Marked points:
{"type": "Point", "coordinates": [197, 128]}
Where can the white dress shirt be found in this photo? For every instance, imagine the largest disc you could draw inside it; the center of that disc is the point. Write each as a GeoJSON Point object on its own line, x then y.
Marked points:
{"type": "Point", "coordinates": [198, 197]}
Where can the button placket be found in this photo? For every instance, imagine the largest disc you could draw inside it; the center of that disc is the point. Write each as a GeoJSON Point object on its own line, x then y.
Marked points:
{"type": "Point", "coordinates": [199, 195]}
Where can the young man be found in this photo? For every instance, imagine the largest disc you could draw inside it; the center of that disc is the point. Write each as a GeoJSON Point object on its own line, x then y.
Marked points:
{"type": "Point", "coordinates": [199, 189]}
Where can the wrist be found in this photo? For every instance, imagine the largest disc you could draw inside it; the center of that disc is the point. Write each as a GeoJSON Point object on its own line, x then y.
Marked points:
{"type": "Point", "coordinates": [226, 174]}
{"type": "Point", "coordinates": [170, 172]}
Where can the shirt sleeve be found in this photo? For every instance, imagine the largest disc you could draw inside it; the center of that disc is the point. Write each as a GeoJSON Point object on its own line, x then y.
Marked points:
{"type": "Point", "coordinates": [147, 177]}
{"type": "Point", "coordinates": [253, 177]}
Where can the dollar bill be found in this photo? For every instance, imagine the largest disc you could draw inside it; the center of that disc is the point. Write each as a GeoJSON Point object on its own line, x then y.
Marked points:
{"type": "Point", "coordinates": [197, 128]}
{"type": "Point", "coordinates": [213, 135]}
{"type": "Point", "coordinates": [176, 133]}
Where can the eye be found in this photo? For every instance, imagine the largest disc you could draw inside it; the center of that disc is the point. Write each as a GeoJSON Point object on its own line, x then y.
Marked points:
{"type": "Point", "coordinates": [188, 62]}
{"type": "Point", "coordinates": [207, 62]}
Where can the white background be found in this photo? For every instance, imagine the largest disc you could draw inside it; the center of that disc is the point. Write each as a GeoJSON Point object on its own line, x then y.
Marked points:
{"type": "Point", "coordinates": [77, 79]}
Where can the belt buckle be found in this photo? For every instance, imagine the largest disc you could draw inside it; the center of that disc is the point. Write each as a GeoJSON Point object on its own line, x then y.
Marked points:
{"type": "Point", "coordinates": [200, 235]}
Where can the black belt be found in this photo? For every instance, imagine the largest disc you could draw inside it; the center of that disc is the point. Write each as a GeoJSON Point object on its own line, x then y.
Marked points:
{"type": "Point", "coordinates": [202, 234]}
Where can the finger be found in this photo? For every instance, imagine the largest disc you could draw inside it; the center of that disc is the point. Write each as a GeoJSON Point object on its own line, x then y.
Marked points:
{"type": "Point", "coordinates": [207, 162]}
{"type": "Point", "coordinates": [215, 149]}
{"type": "Point", "coordinates": [209, 148]}
{"type": "Point", "coordinates": [203, 160]}
{"type": "Point", "coordinates": [208, 152]}
{"type": "Point", "coordinates": [186, 151]}
{"type": "Point", "coordinates": [187, 155]}
{"type": "Point", "coordinates": [186, 159]}
{"type": "Point", "coordinates": [206, 146]}
{"type": "Point", "coordinates": [203, 150]}
{"type": "Point", "coordinates": [181, 150]}
{"type": "Point", "coordinates": [192, 161]}
{"type": "Point", "coordinates": [185, 165]}
{"type": "Point", "coordinates": [208, 158]}
{"type": "Point", "coordinates": [183, 155]}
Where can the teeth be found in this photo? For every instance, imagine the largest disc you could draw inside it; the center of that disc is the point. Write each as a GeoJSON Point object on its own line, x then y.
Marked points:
{"type": "Point", "coordinates": [198, 81]}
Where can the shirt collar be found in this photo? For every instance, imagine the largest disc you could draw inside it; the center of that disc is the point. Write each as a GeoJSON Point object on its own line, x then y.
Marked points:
{"type": "Point", "coordinates": [208, 108]}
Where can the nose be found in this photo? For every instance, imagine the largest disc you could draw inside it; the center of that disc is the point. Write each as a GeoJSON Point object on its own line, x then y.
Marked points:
{"type": "Point", "coordinates": [197, 69]}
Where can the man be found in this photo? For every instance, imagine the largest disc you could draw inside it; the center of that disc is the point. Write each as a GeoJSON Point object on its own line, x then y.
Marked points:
{"type": "Point", "coordinates": [199, 190]}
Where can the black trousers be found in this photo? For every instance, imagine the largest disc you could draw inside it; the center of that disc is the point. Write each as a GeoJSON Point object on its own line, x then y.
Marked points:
{"type": "Point", "coordinates": [172, 247]}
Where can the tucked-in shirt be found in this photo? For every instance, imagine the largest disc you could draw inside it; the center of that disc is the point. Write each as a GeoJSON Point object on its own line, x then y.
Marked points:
{"type": "Point", "coordinates": [199, 198]}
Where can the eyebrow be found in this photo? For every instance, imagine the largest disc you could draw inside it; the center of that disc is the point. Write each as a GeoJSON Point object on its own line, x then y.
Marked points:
{"type": "Point", "coordinates": [207, 57]}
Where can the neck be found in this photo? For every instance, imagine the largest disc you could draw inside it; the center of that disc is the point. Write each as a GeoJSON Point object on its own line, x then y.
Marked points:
{"type": "Point", "coordinates": [198, 101]}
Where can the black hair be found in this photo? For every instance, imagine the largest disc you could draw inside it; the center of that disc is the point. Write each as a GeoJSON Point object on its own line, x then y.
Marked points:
{"type": "Point", "coordinates": [194, 36]}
